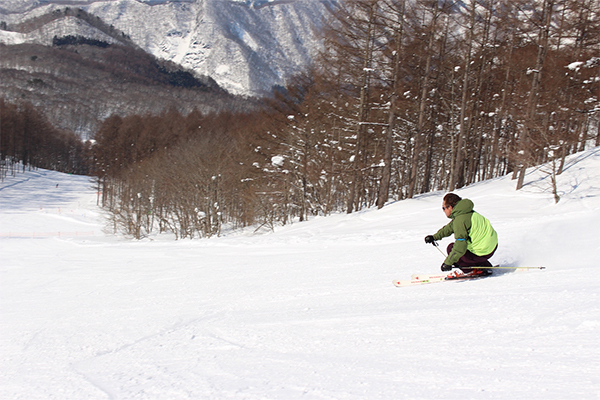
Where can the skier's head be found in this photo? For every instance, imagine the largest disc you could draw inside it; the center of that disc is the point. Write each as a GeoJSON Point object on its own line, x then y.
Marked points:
{"type": "Point", "coordinates": [451, 200]}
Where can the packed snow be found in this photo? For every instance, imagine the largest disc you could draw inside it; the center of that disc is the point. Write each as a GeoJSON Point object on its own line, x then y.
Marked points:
{"type": "Point", "coordinates": [306, 312]}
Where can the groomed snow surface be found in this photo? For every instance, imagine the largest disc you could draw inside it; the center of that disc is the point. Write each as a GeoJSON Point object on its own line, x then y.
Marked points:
{"type": "Point", "coordinates": [307, 312]}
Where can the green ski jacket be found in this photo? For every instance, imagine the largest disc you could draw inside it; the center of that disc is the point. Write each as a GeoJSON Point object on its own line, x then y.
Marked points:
{"type": "Point", "coordinates": [472, 231]}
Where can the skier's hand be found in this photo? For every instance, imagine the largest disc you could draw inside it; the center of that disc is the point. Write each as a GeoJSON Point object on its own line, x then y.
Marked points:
{"type": "Point", "coordinates": [429, 239]}
{"type": "Point", "coordinates": [446, 267]}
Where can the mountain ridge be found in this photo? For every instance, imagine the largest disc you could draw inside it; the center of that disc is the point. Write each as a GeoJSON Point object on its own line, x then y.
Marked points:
{"type": "Point", "coordinates": [247, 47]}
{"type": "Point", "coordinates": [77, 84]}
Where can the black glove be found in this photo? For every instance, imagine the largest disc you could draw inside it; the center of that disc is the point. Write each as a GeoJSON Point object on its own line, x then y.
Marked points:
{"type": "Point", "coordinates": [446, 267]}
{"type": "Point", "coordinates": [429, 239]}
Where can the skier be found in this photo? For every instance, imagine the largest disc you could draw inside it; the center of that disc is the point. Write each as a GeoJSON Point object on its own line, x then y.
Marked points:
{"type": "Point", "coordinates": [475, 238]}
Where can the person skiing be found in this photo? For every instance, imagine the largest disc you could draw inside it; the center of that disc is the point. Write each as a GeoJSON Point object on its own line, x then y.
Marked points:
{"type": "Point", "coordinates": [476, 240]}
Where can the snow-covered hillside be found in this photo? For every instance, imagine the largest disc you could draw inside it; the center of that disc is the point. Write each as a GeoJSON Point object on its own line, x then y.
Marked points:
{"type": "Point", "coordinates": [306, 312]}
{"type": "Point", "coordinates": [246, 46]}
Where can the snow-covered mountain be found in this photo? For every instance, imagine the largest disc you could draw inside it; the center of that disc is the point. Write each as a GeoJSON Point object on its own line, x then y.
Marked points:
{"type": "Point", "coordinates": [246, 46]}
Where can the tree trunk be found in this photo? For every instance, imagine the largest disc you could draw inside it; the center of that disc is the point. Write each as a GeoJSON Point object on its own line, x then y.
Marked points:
{"type": "Point", "coordinates": [384, 186]}
{"type": "Point", "coordinates": [422, 106]}
{"type": "Point", "coordinates": [532, 101]}
{"type": "Point", "coordinates": [361, 137]}
{"type": "Point", "coordinates": [457, 176]}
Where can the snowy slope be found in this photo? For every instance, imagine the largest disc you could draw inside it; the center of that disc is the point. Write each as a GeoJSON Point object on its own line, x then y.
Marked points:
{"type": "Point", "coordinates": [306, 312]}
{"type": "Point", "coordinates": [246, 46]}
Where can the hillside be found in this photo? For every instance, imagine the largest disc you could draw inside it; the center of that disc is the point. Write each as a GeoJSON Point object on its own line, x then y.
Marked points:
{"type": "Point", "coordinates": [246, 46]}
{"type": "Point", "coordinates": [78, 82]}
{"type": "Point", "coordinates": [306, 312]}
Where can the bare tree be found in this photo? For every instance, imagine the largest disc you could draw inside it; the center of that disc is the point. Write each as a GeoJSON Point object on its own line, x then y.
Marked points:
{"type": "Point", "coordinates": [534, 92]}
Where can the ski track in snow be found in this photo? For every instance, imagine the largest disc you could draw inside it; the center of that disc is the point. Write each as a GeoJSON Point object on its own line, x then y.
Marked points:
{"type": "Point", "coordinates": [306, 312]}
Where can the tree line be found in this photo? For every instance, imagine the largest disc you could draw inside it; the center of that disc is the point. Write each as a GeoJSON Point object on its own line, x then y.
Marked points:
{"type": "Point", "coordinates": [189, 175]}
{"type": "Point", "coordinates": [28, 140]}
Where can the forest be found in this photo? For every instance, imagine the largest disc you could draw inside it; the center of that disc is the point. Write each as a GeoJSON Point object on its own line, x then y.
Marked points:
{"type": "Point", "coordinates": [28, 140]}
{"type": "Point", "coordinates": [406, 97]}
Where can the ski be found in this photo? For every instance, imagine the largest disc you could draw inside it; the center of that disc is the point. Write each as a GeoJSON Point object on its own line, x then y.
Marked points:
{"type": "Point", "coordinates": [422, 279]}
{"type": "Point", "coordinates": [410, 282]}
{"type": "Point", "coordinates": [426, 278]}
